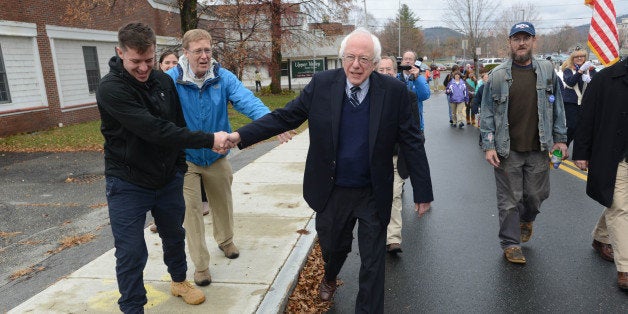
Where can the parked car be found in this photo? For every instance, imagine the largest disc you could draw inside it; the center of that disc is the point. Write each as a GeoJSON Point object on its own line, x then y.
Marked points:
{"type": "Point", "coordinates": [439, 66]}
{"type": "Point", "coordinates": [488, 61]}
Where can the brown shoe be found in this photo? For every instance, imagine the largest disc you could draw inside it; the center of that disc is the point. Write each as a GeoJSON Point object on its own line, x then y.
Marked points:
{"type": "Point", "coordinates": [189, 293]}
{"type": "Point", "coordinates": [622, 280]}
{"type": "Point", "coordinates": [605, 250]}
{"type": "Point", "coordinates": [393, 248]}
{"type": "Point", "coordinates": [514, 255]}
{"type": "Point", "coordinates": [326, 289]}
{"type": "Point", "coordinates": [202, 278]}
{"type": "Point", "coordinates": [231, 251]}
{"type": "Point", "coordinates": [526, 231]}
{"type": "Point", "coordinates": [153, 227]}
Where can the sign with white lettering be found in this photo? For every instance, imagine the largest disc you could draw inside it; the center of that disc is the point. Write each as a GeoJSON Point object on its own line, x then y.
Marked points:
{"type": "Point", "coordinates": [306, 68]}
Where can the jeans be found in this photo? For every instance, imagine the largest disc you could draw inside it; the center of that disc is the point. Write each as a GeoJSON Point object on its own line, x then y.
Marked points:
{"type": "Point", "coordinates": [128, 204]}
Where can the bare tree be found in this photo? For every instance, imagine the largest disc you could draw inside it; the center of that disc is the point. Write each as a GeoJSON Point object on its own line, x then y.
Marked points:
{"type": "Point", "coordinates": [283, 23]}
{"type": "Point", "coordinates": [472, 18]}
{"type": "Point", "coordinates": [82, 11]}
{"type": "Point", "coordinates": [402, 33]}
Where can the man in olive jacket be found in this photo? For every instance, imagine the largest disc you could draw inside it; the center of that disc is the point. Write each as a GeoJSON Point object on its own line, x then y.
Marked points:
{"type": "Point", "coordinates": [601, 146]}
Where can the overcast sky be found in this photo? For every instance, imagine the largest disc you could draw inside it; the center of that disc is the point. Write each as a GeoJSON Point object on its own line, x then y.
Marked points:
{"type": "Point", "coordinates": [553, 13]}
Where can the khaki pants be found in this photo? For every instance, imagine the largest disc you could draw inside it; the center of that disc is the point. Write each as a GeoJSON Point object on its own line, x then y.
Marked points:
{"type": "Point", "coordinates": [217, 179]}
{"type": "Point", "coordinates": [613, 224]}
{"type": "Point", "coordinates": [394, 226]}
{"type": "Point", "coordinates": [458, 114]}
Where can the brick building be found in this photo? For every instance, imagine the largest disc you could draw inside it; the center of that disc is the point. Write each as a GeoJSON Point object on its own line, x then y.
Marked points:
{"type": "Point", "coordinates": [53, 53]}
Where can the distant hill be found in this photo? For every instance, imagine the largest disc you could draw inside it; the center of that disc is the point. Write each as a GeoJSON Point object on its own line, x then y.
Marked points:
{"type": "Point", "coordinates": [432, 33]}
{"type": "Point", "coordinates": [440, 33]}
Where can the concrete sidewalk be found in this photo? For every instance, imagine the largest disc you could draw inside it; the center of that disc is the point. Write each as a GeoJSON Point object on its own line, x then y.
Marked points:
{"type": "Point", "coordinates": [270, 216]}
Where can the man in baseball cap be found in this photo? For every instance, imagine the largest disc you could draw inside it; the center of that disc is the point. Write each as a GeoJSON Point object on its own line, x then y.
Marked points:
{"type": "Point", "coordinates": [519, 127]}
{"type": "Point", "coordinates": [525, 27]}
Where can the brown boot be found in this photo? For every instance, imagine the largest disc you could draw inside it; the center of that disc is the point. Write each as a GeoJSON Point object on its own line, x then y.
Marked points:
{"type": "Point", "coordinates": [230, 250]}
{"type": "Point", "coordinates": [622, 280]}
{"type": "Point", "coordinates": [202, 278]}
{"type": "Point", "coordinates": [326, 289]}
{"type": "Point", "coordinates": [526, 231]}
{"type": "Point", "coordinates": [605, 250]}
{"type": "Point", "coordinates": [514, 255]}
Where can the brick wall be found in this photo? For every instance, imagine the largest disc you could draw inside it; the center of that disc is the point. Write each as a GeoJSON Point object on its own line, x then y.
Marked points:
{"type": "Point", "coordinates": [79, 14]}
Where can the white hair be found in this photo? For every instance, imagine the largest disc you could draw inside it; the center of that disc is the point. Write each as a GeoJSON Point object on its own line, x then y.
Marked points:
{"type": "Point", "coordinates": [377, 49]}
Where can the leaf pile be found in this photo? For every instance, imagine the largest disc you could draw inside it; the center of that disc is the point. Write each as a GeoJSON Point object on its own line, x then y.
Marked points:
{"type": "Point", "coordinates": [304, 298]}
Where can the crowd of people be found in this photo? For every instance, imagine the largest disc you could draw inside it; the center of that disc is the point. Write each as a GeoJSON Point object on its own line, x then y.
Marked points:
{"type": "Point", "coordinates": [167, 134]}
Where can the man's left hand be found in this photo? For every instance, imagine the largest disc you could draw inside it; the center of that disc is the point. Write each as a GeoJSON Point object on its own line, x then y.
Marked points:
{"type": "Point", "coordinates": [421, 208]}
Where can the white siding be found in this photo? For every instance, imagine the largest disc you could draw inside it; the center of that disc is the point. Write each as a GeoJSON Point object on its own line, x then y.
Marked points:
{"type": "Point", "coordinates": [23, 69]}
{"type": "Point", "coordinates": [70, 65]}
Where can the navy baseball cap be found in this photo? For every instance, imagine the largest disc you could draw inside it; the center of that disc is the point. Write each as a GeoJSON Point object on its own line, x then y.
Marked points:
{"type": "Point", "coordinates": [522, 27]}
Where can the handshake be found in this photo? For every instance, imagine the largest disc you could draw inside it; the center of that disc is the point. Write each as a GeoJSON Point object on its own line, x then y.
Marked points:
{"type": "Point", "coordinates": [224, 141]}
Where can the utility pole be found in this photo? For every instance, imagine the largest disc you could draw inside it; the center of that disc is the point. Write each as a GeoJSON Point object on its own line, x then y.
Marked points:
{"type": "Point", "coordinates": [365, 23]}
{"type": "Point", "coordinates": [399, 30]}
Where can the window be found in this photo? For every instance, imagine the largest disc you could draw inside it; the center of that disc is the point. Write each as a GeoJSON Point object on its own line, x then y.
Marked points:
{"type": "Point", "coordinates": [284, 68]}
{"type": "Point", "coordinates": [5, 96]}
{"type": "Point", "coordinates": [91, 67]}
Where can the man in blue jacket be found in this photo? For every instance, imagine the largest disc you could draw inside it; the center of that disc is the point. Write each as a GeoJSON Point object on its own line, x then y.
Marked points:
{"type": "Point", "coordinates": [415, 82]}
{"type": "Point", "coordinates": [204, 89]}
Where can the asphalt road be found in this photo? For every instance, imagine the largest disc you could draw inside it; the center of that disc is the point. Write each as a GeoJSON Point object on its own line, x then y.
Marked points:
{"type": "Point", "coordinates": [48, 197]}
{"type": "Point", "coordinates": [452, 261]}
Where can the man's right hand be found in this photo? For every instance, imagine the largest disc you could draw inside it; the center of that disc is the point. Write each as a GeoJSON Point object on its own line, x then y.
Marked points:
{"type": "Point", "coordinates": [492, 158]}
{"type": "Point", "coordinates": [234, 138]}
{"type": "Point", "coordinates": [221, 142]}
{"type": "Point", "coordinates": [582, 164]}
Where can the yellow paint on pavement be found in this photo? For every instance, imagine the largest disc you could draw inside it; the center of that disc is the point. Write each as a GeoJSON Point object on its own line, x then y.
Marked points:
{"type": "Point", "coordinates": [107, 301]}
{"type": "Point", "coordinates": [572, 169]}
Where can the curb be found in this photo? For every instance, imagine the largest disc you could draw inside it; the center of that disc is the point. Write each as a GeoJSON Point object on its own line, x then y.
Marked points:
{"type": "Point", "coordinates": [276, 299]}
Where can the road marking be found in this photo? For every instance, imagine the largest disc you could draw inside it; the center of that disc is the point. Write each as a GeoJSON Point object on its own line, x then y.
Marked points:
{"type": "Point", "coordinates": [572, 169]}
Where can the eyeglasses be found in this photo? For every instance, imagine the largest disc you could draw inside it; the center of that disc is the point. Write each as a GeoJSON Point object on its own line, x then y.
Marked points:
{"type": "Point", "coordinates": [387, 69]}
{"type": "Point", "coordinates": [199, 52]}
{"type": "Point", "coordinates": [521, 39]}
{"type": "Point", "coordinates": [362, 60]}
{"type": "Point", "coordinates": [576, 57]}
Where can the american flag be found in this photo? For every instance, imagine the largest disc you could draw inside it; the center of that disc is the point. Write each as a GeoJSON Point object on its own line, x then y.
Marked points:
{"type": "Point", "coordinates": [603, 36]}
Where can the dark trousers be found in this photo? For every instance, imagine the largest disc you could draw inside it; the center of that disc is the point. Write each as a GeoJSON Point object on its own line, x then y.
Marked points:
{"type": "Point", "coordinates": [523, 184]}
{"type": "Point", "coordinates": [128, 204]}
{"type": "Point", "coordinates": [334, 226]}
{"type": "Point", "coordinates": [572, 114]}
{"type": "Point", "coordinates": [258, 85]}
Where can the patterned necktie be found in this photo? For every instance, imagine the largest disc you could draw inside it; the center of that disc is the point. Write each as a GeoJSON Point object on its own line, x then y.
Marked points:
{"type": "Point", "coordinates": [353, 99]}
